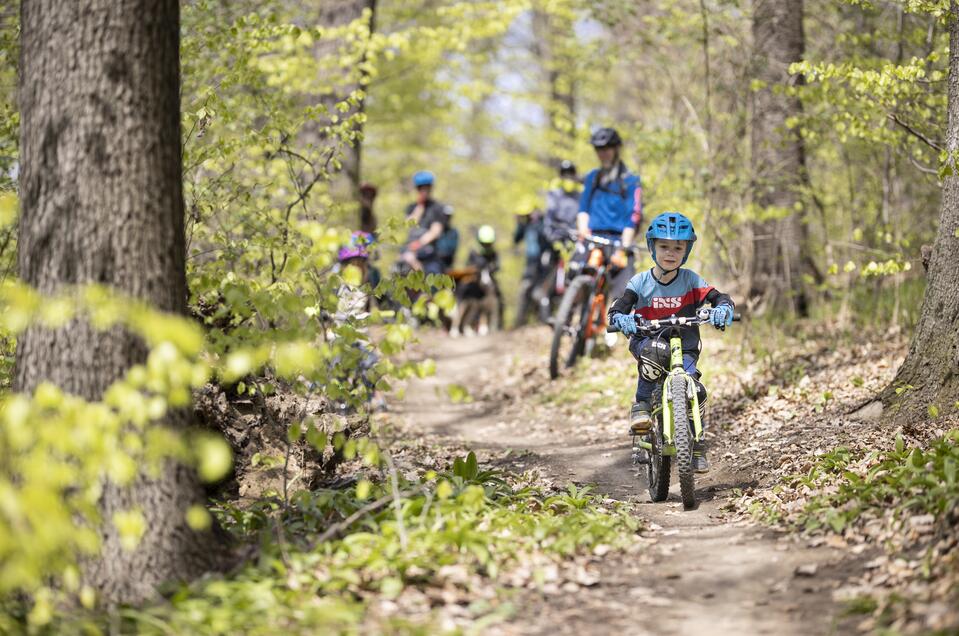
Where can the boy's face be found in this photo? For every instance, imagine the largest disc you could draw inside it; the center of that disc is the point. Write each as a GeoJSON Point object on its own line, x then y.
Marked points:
{"type": "Point", "coordinates": [669, 253]}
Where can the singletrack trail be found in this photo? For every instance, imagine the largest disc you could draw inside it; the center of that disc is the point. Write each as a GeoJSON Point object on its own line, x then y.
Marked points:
{"type": "Point", "coordinates": [698, 572]}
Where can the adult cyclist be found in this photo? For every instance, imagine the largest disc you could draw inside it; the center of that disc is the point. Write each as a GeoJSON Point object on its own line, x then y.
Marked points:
{"type": "Point", "coordinates": [424, 250]}
{"type": "Point", "coordinates": [559, 225]}
{"type": "Point", "coordinates": [562, 204]}
{"type": "Point", "coordinates": [611, 206]}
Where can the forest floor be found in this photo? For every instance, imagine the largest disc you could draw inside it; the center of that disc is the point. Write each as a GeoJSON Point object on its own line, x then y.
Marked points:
{"type": "Point", "coordinates": [709, 570]}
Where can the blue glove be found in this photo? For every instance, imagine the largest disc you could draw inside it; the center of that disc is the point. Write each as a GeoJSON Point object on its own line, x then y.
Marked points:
{"type": "Point", "coordinates": [721, 317]}
{"type": "Point", "coordinates": [626, 324]}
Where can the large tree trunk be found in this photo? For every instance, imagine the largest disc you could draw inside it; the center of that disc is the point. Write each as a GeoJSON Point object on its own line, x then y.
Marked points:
{"type": "Point", "coordinates": [778, 159]}
{"type": "Point", "coordinates": [932, 367]}
{"type": "Point", "coordinates": [101, 202]}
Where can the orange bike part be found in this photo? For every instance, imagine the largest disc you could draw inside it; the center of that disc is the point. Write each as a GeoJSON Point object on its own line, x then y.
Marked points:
{"type": "Point", "coordinates": [597, 311]}
{"type": "Point", "coordinates": [595, 258]}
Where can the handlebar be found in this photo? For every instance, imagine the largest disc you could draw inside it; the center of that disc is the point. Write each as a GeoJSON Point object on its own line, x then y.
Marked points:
{"type": "Point", "coordinates": [701, 318]}
{"type": "Point", "coordinates": [599, 240]}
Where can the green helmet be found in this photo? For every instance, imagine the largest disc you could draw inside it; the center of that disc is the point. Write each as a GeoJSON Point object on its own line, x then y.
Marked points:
{"type": "Point", "coordinates": [486, 235]}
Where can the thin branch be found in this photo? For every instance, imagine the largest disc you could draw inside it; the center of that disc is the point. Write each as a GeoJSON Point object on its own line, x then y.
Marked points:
{"type": "Point", "coordinates": [337, 528]}
{"type": "Point", "coordinates": [397, 505]}
{"type": "Point", "coordinates": [912, 131]}
{"type": "Point", "coordinates": [922, 168]}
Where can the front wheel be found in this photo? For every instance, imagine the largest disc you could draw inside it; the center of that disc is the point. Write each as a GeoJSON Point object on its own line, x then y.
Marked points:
{"type": "Point", "coordinates": [657, 471]}
{"type": "Point", "coordinates": [569, 327]}
{"type": "Point", "coordinates": [683, 440]}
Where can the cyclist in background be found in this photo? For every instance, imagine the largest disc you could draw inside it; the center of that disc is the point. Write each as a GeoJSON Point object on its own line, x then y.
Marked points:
{"type": "Point", "coordinates": [529, 231]}
{"type": "Point", "coordinates": [610, 206]}
{"type": "Point", "coordinates": [432, 243]}
{"type": "Point", "coordinates": [562, 204]}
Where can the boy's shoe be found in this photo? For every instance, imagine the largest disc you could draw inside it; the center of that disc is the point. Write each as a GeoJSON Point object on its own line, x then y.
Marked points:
{"type": "Point", "coordinates": [640, 421]}
{"type": "Point", "coordinates": [700, 463]}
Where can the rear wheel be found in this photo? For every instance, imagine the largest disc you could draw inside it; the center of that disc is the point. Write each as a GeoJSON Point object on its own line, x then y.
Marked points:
{"type": "Point", "coordinates": [569, 326]}
{"type": "Point", "coordinates": [683, 439]}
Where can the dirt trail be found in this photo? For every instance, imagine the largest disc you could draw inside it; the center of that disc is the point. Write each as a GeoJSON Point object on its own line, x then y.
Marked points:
{"type": "Point", "coordinates": [701, 572]}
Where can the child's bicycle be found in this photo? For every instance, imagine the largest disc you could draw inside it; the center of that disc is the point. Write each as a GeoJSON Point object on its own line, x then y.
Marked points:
{"type": "Point", "coordinates": [677, 422]}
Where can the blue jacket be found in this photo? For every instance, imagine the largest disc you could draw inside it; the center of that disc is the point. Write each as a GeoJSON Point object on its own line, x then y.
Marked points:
{"type": "Point", "coordinates": [615, 206]}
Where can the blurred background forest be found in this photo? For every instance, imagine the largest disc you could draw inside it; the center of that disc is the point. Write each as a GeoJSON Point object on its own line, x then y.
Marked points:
{"type": "Point", "coordinates": [806, 140]}
{"type": "Point", "coordinates": [289, 106]}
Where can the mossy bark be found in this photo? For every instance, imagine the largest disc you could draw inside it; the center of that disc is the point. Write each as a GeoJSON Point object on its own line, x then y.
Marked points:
{"type": "Point", "coordinates": [102, 203]}
{"type": "Point", "coordinates": [929, 376]}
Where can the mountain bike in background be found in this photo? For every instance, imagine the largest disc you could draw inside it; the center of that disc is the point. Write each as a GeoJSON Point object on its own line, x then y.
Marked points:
{"type": "Point", "coordinates": [581, 318]}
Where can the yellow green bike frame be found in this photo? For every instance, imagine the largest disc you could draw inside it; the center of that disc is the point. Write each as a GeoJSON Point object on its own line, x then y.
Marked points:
{"type": "Point", "coordinates": [677, 373]}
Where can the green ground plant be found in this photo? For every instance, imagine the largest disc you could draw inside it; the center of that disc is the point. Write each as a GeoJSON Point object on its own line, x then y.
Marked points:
{"type": "Point", "coordinates": [479, 521]}
{"type": "Point", "coordinates": [907, 480]}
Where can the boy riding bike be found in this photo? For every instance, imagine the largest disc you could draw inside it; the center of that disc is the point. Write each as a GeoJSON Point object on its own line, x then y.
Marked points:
{"type": "Point", "coordinates": [663, 291]}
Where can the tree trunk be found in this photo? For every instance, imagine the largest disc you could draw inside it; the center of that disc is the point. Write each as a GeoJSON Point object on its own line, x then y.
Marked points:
{"type": "Point", "coordinates": [102, 202]}
{"type": "Point", "coordinates": [931, 368]}
{"type": "Point", "coordinates": [338, 13]}
{"type": "Point", "coordinates": [778, 159]}
{"type": "Point", "coordinates": [549, 31]}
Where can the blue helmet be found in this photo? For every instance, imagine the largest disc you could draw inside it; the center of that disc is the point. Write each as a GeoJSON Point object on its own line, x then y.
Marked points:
{"type": "Point", "coordinates": [671, 226]}
{"type": "Point", "coordinates": [423, 178]}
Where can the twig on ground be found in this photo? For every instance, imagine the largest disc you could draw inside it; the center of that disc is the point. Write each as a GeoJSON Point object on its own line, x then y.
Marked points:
{"type": "Point", "coordinates": [397, 506]}
{"type": "Point", "coordinates": [369, 508]}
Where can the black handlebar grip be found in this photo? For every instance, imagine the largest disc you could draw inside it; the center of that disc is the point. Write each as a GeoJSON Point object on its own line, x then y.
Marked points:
{"type": "Point", "coordinates": [611, 329]}
{"type": "Point", "coordinates": [737, 317]}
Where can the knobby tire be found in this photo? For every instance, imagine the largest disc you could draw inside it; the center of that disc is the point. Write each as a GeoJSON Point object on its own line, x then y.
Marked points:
{"type": "Point", "coordinates": [682, 438]}
{"type": "Point", "coordinates": [571, 306]}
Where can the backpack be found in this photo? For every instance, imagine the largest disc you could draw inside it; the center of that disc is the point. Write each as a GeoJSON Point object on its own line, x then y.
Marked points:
{"type": "Point", "coordinates": [620, 181]}
{"type": "Point", "coordinates": [446, 245]}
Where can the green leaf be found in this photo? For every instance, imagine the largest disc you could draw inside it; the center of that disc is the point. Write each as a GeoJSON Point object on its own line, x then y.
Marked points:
{"type": "Point", "coordinates": [352, 276]}
{"type": "Point", "coordinates": [198, 518]}
{"type": "Point", "coordinates": [363, 489]}
{"type": "Point", "coordinates": [315, 437]}
{"type": "Point", "coordinates": [458, 393]}
{"type": "Point", "coordinates": [131, 526]}
{"type": "Point", "coordinates": [295, 432]}
{"type": "Point", "coordinates": [444, 490]}
{"type": "Point", "coordinates": [214, 456]}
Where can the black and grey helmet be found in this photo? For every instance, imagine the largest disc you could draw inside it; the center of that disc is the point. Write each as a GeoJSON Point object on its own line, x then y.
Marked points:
{"type": "Point", "coordinates": [605, 138]}
{"type": "Point", "coordinates": [567, 168]}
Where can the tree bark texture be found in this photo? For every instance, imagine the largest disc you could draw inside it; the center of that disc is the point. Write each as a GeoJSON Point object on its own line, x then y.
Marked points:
{"type": "Point", "coordinates": [778, 158]}
{"type": "Point", "coordinates": [932, 366]}
{"type": "Point", "coordinates": [102, 202]}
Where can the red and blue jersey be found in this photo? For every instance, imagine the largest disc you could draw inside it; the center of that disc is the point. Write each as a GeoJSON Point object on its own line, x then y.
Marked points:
{"type": "Point", "coordinates": [682, 296]}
